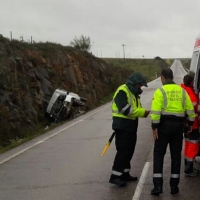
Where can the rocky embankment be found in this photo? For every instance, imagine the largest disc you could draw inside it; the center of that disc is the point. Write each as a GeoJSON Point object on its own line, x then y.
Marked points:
{"type": "Point", "coordinates": [30, 73]}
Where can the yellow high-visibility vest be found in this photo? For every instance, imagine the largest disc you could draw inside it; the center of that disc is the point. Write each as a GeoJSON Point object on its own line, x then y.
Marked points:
{"type": "Point", "coordinates": [136, 109]}
{"type": "Point", "coordinates": [171, 99]}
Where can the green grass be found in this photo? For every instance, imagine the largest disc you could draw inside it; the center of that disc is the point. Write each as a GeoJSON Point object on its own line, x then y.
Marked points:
{"type": "Point", "coordinates": [150, 68]}
{"type": "Point", "coordinates": [38, 130]}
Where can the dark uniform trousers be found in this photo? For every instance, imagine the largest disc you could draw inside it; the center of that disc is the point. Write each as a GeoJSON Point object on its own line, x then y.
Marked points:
{"type": "Point", "coordinates": [125, 142]}
{"type": "Point", "coordinates": [170, 132]}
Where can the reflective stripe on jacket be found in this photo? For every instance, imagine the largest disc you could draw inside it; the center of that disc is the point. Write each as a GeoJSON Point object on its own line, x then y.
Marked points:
{"type": "Point", "coordinates": [133, 104]}
{"type": "Point", "coordinates": [171, 100]}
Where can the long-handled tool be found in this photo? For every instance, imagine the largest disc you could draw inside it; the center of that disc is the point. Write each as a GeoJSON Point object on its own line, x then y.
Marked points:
{"type": "Point", "coordinates": [108, 144]}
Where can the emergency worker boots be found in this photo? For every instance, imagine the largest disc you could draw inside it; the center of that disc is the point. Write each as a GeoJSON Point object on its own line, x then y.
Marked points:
{"type": "Point", "coordinates": [121, 180]}
{"type": "Point", "coordinates": [174, 190]}
{"type": "Point", "coordinates": [117, 180]}
{"type": "Point", "coordinates": [190, 170]}
{"type": "Point", "coordinates": [127, 177]}
{"type": "Point", "coordinates": [158, 190]}
{"type": "Point", "coordinates": [188, 167]}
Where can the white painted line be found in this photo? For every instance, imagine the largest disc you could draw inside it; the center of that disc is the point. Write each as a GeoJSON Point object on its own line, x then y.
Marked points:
{"type": "Point", "coordinates": [140, 185]}
{"type": "Point", "coordinates": [52, 135]}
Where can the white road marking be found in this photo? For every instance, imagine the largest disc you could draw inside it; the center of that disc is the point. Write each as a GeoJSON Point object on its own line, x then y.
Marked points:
{"type": "Point", "coordinates": [52, 135]}
{"type": "Point", "coordinates": [141, 182]}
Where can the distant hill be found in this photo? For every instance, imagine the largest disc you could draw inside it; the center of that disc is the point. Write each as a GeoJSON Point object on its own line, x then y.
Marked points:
{"type": "Point", "coordinates": [150, 68]}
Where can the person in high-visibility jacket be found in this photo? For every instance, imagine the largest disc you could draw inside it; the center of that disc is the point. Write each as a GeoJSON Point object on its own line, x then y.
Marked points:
{"type": "Point", "coordinates": [126, 109]}
{"type": "Point", "coordinates": [169, 107]}
{"type": "Point", "coordinates": [191, 146]}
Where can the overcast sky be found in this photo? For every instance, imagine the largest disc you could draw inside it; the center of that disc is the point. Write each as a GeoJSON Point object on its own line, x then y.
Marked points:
{"type": "Point", "coordinates": [147, 28]}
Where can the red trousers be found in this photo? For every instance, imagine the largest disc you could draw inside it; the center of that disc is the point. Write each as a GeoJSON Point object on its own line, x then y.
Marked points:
{"type": "Point", "coordinates": [191, 147]}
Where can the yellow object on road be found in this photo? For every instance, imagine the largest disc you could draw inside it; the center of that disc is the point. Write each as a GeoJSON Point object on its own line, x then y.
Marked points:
{"type": "Point", "coordinates": [108, 144]}
{"type": "Point", "coordinates": [105, 149]}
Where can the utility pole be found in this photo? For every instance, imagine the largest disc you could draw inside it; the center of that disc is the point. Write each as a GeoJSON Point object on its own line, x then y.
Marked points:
{"type": "Point", "coordinates": [10, 35]}
{"type": "Point", "coordinates": [123, 50]}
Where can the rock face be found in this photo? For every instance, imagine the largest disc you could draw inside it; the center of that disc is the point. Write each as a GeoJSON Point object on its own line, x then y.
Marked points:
{"type": "Point", "coordinates": [30, 73]}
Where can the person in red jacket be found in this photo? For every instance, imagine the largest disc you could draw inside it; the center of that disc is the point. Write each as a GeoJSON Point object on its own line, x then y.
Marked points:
{"type": "Point", "coordinates": [191, 146]}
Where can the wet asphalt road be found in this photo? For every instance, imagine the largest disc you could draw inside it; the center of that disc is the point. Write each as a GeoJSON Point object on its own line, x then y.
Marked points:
{"type": "Point", "coordinates": [66, 162]}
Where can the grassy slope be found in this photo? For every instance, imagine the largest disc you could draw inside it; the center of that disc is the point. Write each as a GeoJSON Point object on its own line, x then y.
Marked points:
{"type": "Point", "coordinates": [150, 68]}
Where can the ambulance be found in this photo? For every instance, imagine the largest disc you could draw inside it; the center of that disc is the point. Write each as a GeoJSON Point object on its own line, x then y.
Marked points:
{"type": "Point", "coordinates": [195, 64]}
{"type": "Point", "coordinates": [195, 72]}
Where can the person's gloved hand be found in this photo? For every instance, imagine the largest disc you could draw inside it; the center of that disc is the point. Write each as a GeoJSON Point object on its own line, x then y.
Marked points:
{"type": "Point", "coordinates": [187, 129]}
{"type": "Point", "coordinates": [155, 134]}
{"type": "Point", "coordinates": [146, 113]}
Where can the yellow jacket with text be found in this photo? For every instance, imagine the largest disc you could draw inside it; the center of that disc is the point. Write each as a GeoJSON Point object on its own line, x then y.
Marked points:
{"type": "Point", "coordinates": [133, 103]}
{"type": "Point", "coordinates": [172, 102]}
